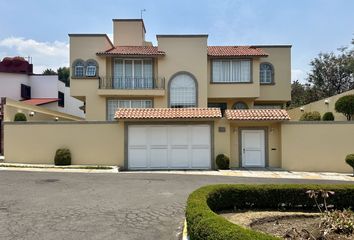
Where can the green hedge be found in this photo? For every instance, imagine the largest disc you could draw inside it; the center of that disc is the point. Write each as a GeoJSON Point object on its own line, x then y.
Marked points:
{"type": "Point", "coordinates": [204, 223]}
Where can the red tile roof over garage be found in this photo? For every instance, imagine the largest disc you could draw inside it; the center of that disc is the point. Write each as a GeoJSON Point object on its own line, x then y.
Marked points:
{"type": "Point", "coordinates": [235, 51]}
{"type": "Point", "coordinates": [40, 101]}
{"type": "Point", "coordinates": [257, 114]}
{"type": "Point", "coordinates": [133, 50]}
{"type": "Point", "coordinates": [167, 113]}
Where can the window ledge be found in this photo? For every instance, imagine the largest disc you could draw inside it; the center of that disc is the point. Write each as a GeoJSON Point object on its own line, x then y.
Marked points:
{"type": "Point", "coordinates": [231, 82]}
{"type": "Point", "coordinates": [84, 77]}
{"type": "Point", "coordinates": [272, 83]}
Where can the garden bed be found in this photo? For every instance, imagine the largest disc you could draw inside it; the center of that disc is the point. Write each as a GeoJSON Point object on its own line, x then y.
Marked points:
{"type": "Point", "coordinates": [204, 223]}
{"type": "Point", "coordinates": [287, 225]}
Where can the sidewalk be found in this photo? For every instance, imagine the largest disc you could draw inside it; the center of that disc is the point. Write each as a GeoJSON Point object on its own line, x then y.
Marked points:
{"type": "Point", "coordinates": [255, 173]}
{"type": "Point", "coordinates": [263, 173]}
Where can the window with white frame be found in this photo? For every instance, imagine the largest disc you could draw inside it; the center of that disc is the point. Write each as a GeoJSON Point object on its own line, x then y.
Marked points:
{"type": "Point", "coordinates": [114, 104]}
{"type": "Point", "coordinates": [231, 70]}
{"type": "Point", "coordinates": [266, 73]}
{"type": "Point", "coordinates": [132, 73]}
{"type": "Point", "coordinates": [79, 67]}
{"type": "Point", "coordinates": [91, 69]}
{"type": "Point", "coordinates": [183, 91]}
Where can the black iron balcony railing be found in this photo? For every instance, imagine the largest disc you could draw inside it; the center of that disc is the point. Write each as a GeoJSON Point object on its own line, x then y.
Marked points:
{"type": "Point", "coordinates": [131, 83]}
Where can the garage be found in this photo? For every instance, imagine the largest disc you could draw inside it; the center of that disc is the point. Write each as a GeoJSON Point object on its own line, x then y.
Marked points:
{"type": "Point", "coordinates": [169, 146]}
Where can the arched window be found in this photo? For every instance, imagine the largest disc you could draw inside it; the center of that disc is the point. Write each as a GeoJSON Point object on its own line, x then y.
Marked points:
{"type": "Point", "coordinates": [266, 73]}
{"type": "Point", "coordinates": [91, 68]}
{"type": "Point", "coordinates": [183, 91]}
{"type": "Point", "coordinates": [240, 105]}
{"type": "Point", "coordinates": [79, 68]}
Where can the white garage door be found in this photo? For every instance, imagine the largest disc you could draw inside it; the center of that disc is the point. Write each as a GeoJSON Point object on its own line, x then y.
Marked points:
{"type": "Point", "coordinates": [169, 147]}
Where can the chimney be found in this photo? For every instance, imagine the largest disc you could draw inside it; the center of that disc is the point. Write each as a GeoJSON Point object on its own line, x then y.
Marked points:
{"type": "Point", "coordinates": [128, 32]}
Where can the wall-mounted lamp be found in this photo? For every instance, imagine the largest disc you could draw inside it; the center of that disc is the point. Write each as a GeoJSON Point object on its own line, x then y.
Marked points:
{"type": "Point", "coordinates": [326, 101]}
{"type": "Point", "coordinates": [31, 114]}
{"type": "Point", "coordinates": [56, 119]}
{"type": "Point", "coordinates": [302, 109]}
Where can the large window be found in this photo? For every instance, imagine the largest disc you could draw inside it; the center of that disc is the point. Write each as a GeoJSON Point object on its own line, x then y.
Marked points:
{"type": "Point", "coordinates": [114, 104]}
{"type": "Point", "coordinates": [266, 73]}
{"type": "Point", "coordinates": [132, 73]}
{"type": "Point", "coordinates": [231, 71]}
{"type": "Point", "coordinates": [183, 91]}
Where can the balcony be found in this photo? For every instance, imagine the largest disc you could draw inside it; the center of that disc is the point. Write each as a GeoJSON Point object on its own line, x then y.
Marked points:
{"type": "Point", "coordinates": [131, 86]}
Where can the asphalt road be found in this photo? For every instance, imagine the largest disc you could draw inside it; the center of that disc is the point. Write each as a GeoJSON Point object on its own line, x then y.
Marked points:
{"type": "Point", "coordinates": [42, 205]}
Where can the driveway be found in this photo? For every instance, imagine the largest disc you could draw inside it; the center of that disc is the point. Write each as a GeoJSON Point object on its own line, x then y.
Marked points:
{"type": "Point", "coordinates": [42, 205]}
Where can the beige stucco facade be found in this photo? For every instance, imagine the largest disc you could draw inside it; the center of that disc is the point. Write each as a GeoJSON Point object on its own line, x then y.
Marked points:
{"type": "Point", "coordinates": [322, 106]}
{"type": "Point", "coordinates": [183, 53]}
{"type": "Point", "coordinates": [92, 143]}
{"type": "Point", "coordinates": [317, 146]}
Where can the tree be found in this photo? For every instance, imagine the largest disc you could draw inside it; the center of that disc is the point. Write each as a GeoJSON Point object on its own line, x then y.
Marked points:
{"type": "Point", "coordinates": [64, 75]}
{"type": "Point", "coordinates": [302, 94]}
{"type": "Point", "coordinates": [331, 74]}
{"type": "Point", "coordinates": [345, 105]}
{"type": "Point", "coordinates": [49, 71]}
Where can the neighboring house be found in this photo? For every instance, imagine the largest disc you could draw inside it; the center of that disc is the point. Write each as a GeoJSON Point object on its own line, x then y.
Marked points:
{"type": "Point", "coordinates": [322, 106]}
{"type": "Point", "coordinates": [171, 97]}
{"type": "Point", "coordinates": [18, 82]}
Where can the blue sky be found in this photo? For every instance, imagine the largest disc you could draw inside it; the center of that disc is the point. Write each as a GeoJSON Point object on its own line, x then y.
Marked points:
{"type": "Point", "coordinates": [40, 28]}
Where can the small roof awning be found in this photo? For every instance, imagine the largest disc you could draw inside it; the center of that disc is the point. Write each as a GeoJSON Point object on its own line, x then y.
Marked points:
{"type": "Point", "coordinates": [257, 114]}
{"type": "Point", "coordinates": [236, 51]}
{"type": "Point", "coordinates": [40, 101]}
{"type": "Point", "coordinates": [133, 51]}
{"type": "Point", "coordinates": [167, 113]}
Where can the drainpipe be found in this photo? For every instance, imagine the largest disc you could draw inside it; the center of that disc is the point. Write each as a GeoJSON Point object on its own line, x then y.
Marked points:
{"type": "Point", "coordinates": [2, 104]}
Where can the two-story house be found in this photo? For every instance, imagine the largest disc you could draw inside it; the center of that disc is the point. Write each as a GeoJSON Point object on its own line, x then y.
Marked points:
{"type": "Point", "coordinates": [183, 102]}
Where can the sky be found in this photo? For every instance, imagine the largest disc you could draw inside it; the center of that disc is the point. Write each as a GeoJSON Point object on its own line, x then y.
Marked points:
{"type": "Point", "coordinates": [40, 28]}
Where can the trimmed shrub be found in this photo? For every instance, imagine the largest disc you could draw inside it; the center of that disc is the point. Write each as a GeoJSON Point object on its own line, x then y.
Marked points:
{"type": "Point", "coordinates": [311, 116]}
{"type": "Point", "coordinates": [345, 105]}
{"type": "Point", "coordinates": [328, 116]}
{"type": "Point", "coordinates": [20, 117]}
{"type": "Point", "coordinates": [350, 161]}
{"type": "Point", "coordinates": [203, 223]}
{"type": "Point", "coordinates": [222, 161]}
{"type": "Point", "coordinates": [62, 157]}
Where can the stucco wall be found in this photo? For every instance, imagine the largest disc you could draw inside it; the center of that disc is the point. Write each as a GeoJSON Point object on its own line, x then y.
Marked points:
{"type": "Point", "coordinates": [320, 107]}
{"type": "Point", "coordinates": [47, 113]}
{"type": "Point", "coordinates": [317, 146]}
{"type": "Point", "coordinates": [280, 58]}
{"type": "Point", "coordinates": [189, 54]}
{"type": "Point", "coordinates": [44, 86]}
{"type": "Point", "coordinates": [10, 84]}
{"type": "Point", "coordinates": [89, 142]}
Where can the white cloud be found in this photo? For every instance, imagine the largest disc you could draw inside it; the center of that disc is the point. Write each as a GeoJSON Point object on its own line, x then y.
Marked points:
{"type": "Point", "coordinates": [298, 74]}
{"type": "Point", "coordinates": [44, 54]}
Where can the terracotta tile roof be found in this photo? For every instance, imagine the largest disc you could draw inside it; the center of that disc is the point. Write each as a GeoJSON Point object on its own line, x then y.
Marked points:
{"type": "Point", "coordinates": [234, 51]}
{"type": "Point", "coordinates": [40, 101]}
{"type": "Point", "coordinates": [133, 50]}
{"type": "Point", "coordinates": [257, 114]}
{"type": "Point", "coordinates": [167, 113]}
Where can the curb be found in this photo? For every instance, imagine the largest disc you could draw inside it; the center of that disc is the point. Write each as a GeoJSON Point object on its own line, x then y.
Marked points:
{"type": "Point", "coordinates": [52, 168]}
{"type": "Point", "coordinates": [185, 232]}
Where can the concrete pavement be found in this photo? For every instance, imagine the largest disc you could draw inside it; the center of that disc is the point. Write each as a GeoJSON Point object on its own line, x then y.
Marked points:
{"type": "Point", "coordinates": [47, 205]}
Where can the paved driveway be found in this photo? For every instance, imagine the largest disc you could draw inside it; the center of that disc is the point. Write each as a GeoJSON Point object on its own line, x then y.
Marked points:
{"type": "Point", "coordinates": [40, 205]}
